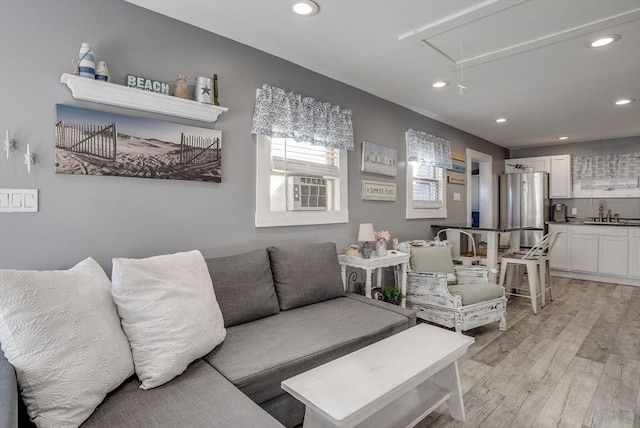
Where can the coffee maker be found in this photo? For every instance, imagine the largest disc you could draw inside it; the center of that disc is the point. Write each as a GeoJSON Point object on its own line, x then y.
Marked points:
{"type": "Point", "coordinates": [559, 212]}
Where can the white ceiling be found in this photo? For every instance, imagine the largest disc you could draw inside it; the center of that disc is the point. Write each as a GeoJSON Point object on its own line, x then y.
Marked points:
{"type": "Point", "coordinates": [521, 59]}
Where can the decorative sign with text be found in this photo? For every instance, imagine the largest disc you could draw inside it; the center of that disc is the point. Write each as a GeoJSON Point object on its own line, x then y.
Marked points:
{"type": "Point", "coordinates": [378, 191]}
{"type": "Point", "coordinates": [145, 84]}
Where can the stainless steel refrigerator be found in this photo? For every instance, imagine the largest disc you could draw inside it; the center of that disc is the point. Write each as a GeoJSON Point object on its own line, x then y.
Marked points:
{"type": "Point", "coordinates": [524, 201]}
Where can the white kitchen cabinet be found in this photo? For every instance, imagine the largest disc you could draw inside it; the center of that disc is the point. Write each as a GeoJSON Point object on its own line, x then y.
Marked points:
{"type": "Point", "coordinates": [558, 167]}
{"type": "Point", "coordinates": [535, 164]}
{"type": "Point", "coordinates": [584, 253]}
{"type": "Point", "coordinates": [560, 176]}
{"type": "Point", "coordinates": [613, 256]}
{"type": "Point", "coordinates": [634, 253]}
{"type": "Point", "coordinates": [597, 253]}
{"type": "Point", "coordinates": [559, 255]}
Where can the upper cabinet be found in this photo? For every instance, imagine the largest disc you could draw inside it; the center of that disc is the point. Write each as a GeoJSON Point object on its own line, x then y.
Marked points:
{"type": "Point", "coordinates": [560, 176]}
{"type": "Point", "coordinates": [558, 167]}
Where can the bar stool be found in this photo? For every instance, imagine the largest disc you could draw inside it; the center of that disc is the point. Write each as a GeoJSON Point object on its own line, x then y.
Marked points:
{"type": "Point", "coordinates": [536, 260]}
{"type": "Point", "coordinates": [466, 258]}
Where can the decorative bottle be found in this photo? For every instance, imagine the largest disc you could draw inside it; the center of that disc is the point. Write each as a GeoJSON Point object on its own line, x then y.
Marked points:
{"type": "Point", "coordinates": [215, 90]}
{"type": "Point", "coordinates": [182, 89]}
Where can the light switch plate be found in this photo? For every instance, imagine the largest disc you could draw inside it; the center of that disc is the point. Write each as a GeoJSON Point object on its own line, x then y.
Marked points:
{"type": "Point", "coordinates": [574, 211]}
{"type": "Point", "coordinates": [456, 196]}
{"type": "Point", "coordinates": [18, 200]}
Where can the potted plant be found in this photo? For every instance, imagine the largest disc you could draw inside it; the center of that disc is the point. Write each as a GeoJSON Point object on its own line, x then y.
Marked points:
{"type": "Point", "coordinates": [392, 295]}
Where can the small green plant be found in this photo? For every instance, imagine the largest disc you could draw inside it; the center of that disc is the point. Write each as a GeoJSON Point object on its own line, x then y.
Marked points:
{"type": "Point", "coordinates": [392, 295]}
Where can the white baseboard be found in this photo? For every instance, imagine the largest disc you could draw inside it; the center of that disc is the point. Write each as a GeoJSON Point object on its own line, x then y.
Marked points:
{"type": "Point", "coordinates": [598, 278]}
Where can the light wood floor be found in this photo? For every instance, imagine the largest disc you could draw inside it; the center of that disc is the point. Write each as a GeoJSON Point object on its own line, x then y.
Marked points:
{"type": "Point", "coordinates": [575, 364]}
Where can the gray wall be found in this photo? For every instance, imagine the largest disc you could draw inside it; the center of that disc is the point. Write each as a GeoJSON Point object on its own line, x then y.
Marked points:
{"type": "Point", "coordinates": [626, 207]}
{"type": "Point", "coordinates": [107, 217]}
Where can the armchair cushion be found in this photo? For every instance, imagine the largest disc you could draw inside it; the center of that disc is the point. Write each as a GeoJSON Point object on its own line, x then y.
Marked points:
{"type": "Point", "coordinates": [476, 293]}
{"type": "Point", "coordinates": [433, 259]}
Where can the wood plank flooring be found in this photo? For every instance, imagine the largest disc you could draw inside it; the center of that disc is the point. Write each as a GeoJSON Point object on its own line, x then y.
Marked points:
{"type": "Point", "coordinates": [575, 364]}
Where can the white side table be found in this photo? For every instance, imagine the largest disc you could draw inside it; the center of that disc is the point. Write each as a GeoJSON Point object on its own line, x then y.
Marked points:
{"type": "Point", "coordinates": [393, 258]}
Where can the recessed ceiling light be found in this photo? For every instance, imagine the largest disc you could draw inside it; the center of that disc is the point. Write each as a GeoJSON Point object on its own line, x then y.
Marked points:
{"type": "Point", "coordinates": [563, 138]}
{"type": "Point", "coordinates": [440, 84]}
{"type": "Point", "coordinates": [501, 120]}
{"type": "Point", "coordinates": [304, 7]}
{"type": "Point", "coordinates": [603, 40]}
{"type": "Point", "coordinates": [625, 101]}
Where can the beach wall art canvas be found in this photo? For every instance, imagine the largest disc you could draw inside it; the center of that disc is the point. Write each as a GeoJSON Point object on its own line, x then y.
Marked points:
{"type": "Point", "coordinates": [90, 142]}
{"type": "Point", "coordinates": [379, 159]}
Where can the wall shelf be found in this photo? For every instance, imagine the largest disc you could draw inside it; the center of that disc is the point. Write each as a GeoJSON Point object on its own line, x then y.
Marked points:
{"type": "Point", "coordinates": [122, 96]}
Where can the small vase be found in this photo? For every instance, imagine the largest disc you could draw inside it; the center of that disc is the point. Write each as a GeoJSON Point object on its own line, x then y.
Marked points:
{"type": "Point", "coordinates": [86, 62]}
{"type": "Point", "coordinates": [381, 248]}
{"type": "Point", "coordinates": [366, 250]}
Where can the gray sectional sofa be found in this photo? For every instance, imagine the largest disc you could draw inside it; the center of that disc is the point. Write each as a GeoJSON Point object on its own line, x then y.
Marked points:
{"type": "Point", "coordinates": [285, 312]}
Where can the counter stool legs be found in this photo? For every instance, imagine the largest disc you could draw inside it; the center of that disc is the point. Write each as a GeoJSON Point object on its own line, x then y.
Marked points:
{"type": "Point", "coordinates": [534, 278]}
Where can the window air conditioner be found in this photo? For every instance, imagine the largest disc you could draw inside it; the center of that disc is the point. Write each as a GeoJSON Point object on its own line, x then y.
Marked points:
{"type": "Point", "coordinates": [306, 193]}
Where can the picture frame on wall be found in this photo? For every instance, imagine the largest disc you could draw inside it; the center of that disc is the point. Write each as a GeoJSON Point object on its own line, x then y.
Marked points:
{"type": "Point", "coordinates": [379, 191]}
{"type": "Point", "coordinates": [378, 159]}
{"type": "Point", "coordinates": [90, 142]}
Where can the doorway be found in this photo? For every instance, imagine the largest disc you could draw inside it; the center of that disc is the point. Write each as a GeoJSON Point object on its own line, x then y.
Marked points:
{"type": "Point", "coordinates": [483, 163]}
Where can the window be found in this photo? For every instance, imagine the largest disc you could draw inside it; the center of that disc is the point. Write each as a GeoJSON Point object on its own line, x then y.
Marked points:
{"type": "Point", "coordinates": [426, 189]}
{"type": "Point", "coordinates": [301, 167]}
{"type": "Point", "coordinates": [299, 183]}
{"type": "Point", "coordinates": [428, 186]}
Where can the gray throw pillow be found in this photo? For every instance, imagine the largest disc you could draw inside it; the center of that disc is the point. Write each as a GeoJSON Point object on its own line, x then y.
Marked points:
{"type": "Point", "coordinates": [244, 287]}
{"type": "Point", "coordinates": [305, 274]}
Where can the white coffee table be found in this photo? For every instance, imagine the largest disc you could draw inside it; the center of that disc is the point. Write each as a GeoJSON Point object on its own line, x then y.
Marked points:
{"type": "Point", "coordinates": [395, 382]}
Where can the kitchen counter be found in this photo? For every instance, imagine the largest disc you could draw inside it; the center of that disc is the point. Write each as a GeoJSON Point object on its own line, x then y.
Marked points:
{"type": "Point", "coordinates": [626, 223]}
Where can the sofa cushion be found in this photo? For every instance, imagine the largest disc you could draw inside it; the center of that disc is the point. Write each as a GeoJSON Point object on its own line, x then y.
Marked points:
{"type": "Point", "coordinates": [259, 355]}
{"type": "Point", "coordinates": [244, 287]}
{"type": "Point", "coordinates": [61, 331]}
{"type": "Point", "coordinates": [476, 293]}
{"type": "Point", "coordinates": [433, 259]}
{"type": "Point", "coordinates": [199, 398]}
{"type": "Point", "coordinates": [298, 281]}
{"type": "Point", "coordinates": [8, 394]}
{"type": "Point", "coordinates": [169, 313]}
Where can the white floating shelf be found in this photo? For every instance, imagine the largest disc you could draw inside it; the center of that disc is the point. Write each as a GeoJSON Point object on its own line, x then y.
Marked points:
{"type": "Point", "coordinates": [122, 96]}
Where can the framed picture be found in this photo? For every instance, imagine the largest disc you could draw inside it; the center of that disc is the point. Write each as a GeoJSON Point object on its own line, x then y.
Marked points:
{"type": "Point", "coordinates": [457, 180]}
{"type": "Point", "coordinates": [379, 159]}
{"type": "Point", "coordinates": [458, 168]}
{"type": "Point", "coordinates": [91, 142]}
{"type": "Point", "coordinates": [378, 191]}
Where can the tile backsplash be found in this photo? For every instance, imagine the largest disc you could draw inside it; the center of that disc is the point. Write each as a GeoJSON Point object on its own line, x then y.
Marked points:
{"type": "Point", "coordinates": [626, 207]}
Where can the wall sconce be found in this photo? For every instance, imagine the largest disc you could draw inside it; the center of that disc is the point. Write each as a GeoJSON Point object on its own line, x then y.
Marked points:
{"type": "Point", "coordinates": [8, 144]}
{"type": "Point", "coordinates": [28, 159]}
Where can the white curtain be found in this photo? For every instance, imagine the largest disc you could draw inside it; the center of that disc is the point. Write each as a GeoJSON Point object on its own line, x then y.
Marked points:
{"type": "Point", "coordinates": [429, 149]}
{"type": "Point", "coordinates": [282, 114]}
{"type": "Point", "coordinates": [625, 165]}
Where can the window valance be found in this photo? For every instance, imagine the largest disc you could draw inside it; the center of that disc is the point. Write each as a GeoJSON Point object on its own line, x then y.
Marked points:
{"type": "Point", "coordinates": [283, 114]}
{"type": "Point", "coordinates": [427, 148]}
{"type": "Point", "coordinates": [625, 165]}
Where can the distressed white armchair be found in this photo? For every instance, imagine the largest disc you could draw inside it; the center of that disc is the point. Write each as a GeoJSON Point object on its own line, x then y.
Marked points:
{"type": "Point", "coordinates": [452, 296]}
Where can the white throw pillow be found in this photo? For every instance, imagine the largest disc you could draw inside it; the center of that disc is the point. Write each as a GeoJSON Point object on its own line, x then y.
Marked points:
{"type": "Point", "coordinates": [62, 333]}
{"type": "Point", "coordinates": [169, 313]}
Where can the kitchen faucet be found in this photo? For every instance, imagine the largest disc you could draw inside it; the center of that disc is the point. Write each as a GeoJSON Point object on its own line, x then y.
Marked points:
{"type": "Point", "coordinates": [601, 210]}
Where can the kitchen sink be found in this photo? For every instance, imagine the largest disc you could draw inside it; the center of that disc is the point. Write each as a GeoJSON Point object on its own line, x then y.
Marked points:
{"type": "Point", "coordinates": [606, 223]}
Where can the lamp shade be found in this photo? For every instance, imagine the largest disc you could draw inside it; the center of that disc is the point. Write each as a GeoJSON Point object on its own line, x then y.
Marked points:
{"type": "Point", "coordinates": [366, 232]}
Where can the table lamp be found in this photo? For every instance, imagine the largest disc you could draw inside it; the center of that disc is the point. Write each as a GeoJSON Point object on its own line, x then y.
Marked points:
{"type": "Point", "coordinates": [366, 234]}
